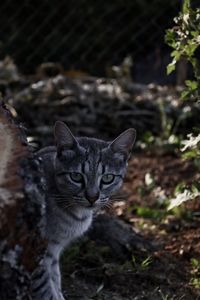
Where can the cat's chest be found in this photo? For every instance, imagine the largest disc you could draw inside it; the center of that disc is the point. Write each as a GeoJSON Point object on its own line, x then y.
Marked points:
{"type": "Point", "coordinates": [66, 227]}
{"type": "Point", "coordinates": [74, 228]}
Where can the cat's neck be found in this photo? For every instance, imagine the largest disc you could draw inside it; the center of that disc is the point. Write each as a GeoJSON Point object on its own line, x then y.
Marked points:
{"type": "Point", "coordinates": [78, 214]}
{"type": "Point", "coordinates": [65, 226]}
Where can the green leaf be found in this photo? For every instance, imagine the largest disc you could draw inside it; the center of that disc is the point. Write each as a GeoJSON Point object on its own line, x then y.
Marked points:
{"type": "Point", "coordinates": [170, 38]}
{"type": "Point", "coordinates": [185, 94]}
{"type": "Point", "coordinates": [190, 48]}
{"type": "Point", "coordinates": [195, 34]}
{"type": "Point", "coordinates": [195, 263]}
{"type": "Point", "coordinates": [193, 85]}
{"type": "Point", "coordinates": [171, 67]}
{"type": "Point", "coordinates": [190, 154]}
{"type": "Point", "coordinates": [182, 197]}
{"type": "Point", "coordinates": [180, 187]}
{"type": "Point", "coordinates": [186, 6]}
{"type": "Point", "coordinates": [176, 54]}
{"type": "Point", "coordinates": [147, 212]}
{"type": "Point", "coordinates": [146, 262]}
{"type": "Point", "coordinates": [194, 189]}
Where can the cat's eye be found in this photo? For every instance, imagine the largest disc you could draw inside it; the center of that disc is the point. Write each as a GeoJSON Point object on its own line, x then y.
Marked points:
{"type": "Point", "coordinates": [107, 178]}
{"type": "Point", "coordinates": [76, 177]}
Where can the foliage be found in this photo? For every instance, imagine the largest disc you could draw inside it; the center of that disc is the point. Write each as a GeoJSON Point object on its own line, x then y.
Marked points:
{"type": "Point", "coordinates": [191, 147]}
{"type": "Point", "coordinates": [187, 194]}
{"type": "Point", "coordinates": [192, 143]}
{"type": "Point", "coordinates": [184, 38]}
{"type": "Point", "coordinates": [143, 265]}
{"type": "Point", "coordinates": [195, 272]}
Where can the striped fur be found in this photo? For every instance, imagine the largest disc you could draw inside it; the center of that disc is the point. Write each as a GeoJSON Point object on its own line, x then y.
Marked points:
{"type": "Point", "coordinates": [71, 202]}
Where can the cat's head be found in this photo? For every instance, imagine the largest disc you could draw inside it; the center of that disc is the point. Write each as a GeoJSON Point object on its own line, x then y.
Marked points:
{"type": "Point", "coordinates": [89, 171]}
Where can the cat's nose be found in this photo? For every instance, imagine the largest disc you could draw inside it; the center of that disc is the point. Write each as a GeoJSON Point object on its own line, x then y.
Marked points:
{"type": "Point", "coordinates": [92, 196]}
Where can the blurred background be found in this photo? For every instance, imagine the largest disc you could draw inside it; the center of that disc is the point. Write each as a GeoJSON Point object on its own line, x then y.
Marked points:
{"type": "Point", "coordinates": [90, 36]}
{"type": "Point", "coordinates": [99, 66]}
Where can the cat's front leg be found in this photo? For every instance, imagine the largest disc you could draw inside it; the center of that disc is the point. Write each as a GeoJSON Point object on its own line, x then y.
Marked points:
{"type": "Point", "coordinates": [56, 277]}
{"type": "Point", "coordinates": [42, 285]}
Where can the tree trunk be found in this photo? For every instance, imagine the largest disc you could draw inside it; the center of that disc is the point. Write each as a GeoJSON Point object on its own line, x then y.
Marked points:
{"type": "Point", "coordinates": [21, 211]}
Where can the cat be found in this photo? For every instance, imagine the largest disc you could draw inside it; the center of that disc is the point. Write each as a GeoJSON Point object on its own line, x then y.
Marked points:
{"type": "Point", "coordinates": [81, 174]}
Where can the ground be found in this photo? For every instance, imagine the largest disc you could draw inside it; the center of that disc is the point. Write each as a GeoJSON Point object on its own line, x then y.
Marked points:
{"type": "Point", "coordinates": [99, 107]}
{"type": "Point", "coordinates": [171, 271]}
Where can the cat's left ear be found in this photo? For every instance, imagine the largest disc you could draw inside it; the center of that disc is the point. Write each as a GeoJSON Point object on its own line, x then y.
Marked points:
{"type": "Point", "coordinates": [124, 142]}
{"type": "Point", "coordinates": [64, 139]}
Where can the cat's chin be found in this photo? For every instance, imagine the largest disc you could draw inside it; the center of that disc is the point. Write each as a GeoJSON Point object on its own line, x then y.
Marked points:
{"type": "Point", "coordinates": [88, 206]}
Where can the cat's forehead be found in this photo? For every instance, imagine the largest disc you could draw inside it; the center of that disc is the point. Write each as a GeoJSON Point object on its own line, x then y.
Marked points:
{"type": "Point", "coordinates": [98, 152]}
{"type": "Point", "coordinates": [92, 144]}
{"type": "Point", "coordinates": [92, 154]}
{"type": "Point", "coordinates": [93, 149]}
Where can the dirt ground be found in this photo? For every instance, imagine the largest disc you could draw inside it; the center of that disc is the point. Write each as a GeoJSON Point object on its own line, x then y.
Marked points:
{"type": "Point", "coordinates": [171, 271]}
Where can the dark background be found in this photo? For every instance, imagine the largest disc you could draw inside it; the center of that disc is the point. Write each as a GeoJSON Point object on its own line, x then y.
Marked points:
{"type": "Point", "coordinates": [89, 35]}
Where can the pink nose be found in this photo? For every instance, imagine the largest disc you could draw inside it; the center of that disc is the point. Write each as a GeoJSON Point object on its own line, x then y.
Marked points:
{"type": "Point", "coordinates": [92, 197]}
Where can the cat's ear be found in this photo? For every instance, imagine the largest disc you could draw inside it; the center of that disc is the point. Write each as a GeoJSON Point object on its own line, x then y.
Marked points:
{"type": "Point", "coordinates": [64, 139]}
{"type": "Point", "coordinates": [124, 142]}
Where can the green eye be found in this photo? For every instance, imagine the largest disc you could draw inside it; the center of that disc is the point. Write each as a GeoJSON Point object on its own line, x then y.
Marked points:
{"type": "Point", "coordinates": [107, 178]}
{"type": "Point", "coordinates": [76, 177]}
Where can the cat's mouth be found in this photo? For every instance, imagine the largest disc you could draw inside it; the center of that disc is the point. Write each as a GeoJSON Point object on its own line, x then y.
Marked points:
{"type": "Point", "coordinates": [86, 204]}
{"type": "Point", "coordinates": [100, 203]}
{"type": "Point", "coordinates": [82, 201]}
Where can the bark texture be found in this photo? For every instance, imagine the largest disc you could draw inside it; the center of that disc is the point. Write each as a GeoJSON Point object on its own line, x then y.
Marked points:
{"type": "Point", "coordinates": [21, 210]}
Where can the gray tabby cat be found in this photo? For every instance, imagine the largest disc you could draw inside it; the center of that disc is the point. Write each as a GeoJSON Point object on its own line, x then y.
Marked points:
{"type": "Point", "coordinates": [81, 175]}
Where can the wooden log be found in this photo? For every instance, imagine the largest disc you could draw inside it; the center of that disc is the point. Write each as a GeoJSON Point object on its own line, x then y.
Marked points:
{"type": "Point", "coordinates": [21, 211]}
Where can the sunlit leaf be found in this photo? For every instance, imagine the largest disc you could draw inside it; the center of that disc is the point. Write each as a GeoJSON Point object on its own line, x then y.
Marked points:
{"type": "Point", "coordinates": [182, 197]}
{"type": "Point", "coordinates": [185, 94]}
{"type": "Point", "coordinates": [191, 142]}
{"type": "Point", "coordinates": [186, 6]}
{"type": "Point", "coordinates": [171, 67]}
{"type": "Point", "coordinates": [193, 85]}
{"type": "Point", "coordinates": [190, 154]}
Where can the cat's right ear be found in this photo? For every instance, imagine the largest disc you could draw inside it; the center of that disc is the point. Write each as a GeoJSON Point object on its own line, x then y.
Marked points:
{"type": "Point", "coordinates": [124, 142]}
{"type": "Point", "coordinates": [64, 139]}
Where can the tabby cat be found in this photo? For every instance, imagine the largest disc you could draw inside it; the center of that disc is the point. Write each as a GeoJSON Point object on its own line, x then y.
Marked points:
{"type": "Point", "coordinates": [81, 174]}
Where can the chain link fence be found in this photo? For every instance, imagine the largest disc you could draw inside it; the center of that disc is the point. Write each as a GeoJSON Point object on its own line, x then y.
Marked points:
{"type": "Point", "coordinates": [87, 35]}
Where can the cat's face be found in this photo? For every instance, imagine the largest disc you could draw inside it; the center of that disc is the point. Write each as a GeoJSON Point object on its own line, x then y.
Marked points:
{"type": "Point", "coordinates": [89, 171]}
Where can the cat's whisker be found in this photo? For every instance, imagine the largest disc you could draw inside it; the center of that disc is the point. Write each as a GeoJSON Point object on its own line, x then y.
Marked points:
{"type": "Point", "coordinates": [66, 206]}
{"type": "Point", "coordinates": [60, 200]}
{"type": "Point", "coordinates": [118, 196]}
{"type": "Point", "coordinates": [117, 199]}
{"type": "Point", "coordinates": [64, 202]}
{"type": "Point", "coordinates": [59, 196]}
{"type": "Point", "coordinates": [107, 205]}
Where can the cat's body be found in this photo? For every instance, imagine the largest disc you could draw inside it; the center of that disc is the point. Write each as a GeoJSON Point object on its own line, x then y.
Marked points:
{"type": "Point", "coordinates": [81, 174]}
